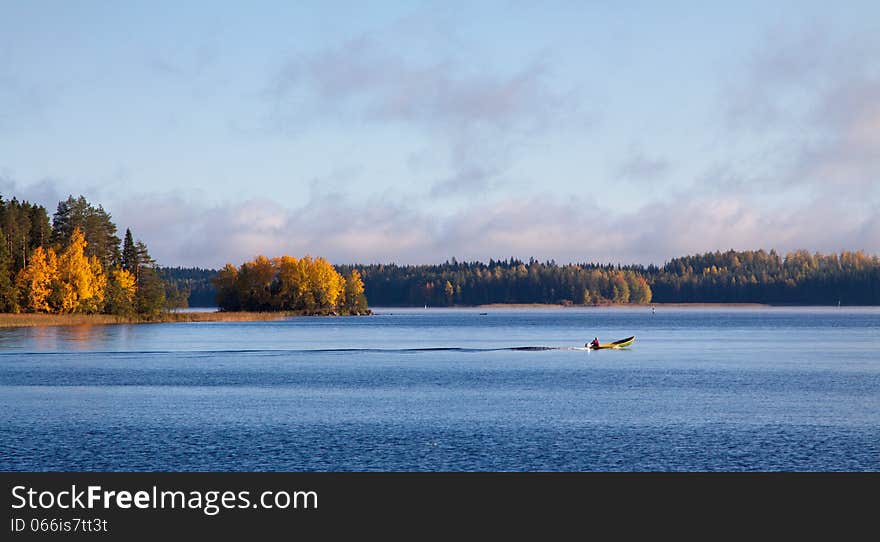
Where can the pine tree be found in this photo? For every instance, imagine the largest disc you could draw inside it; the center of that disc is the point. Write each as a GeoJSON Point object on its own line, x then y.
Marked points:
{"type": "Point", "coordinates": [130, 260]}
{"type": "Point", "coordinates": [150, 297]}
{"type": "Point", "coordinates": [8, 291]}
{"type": "Point", "coordinates": [95, 224]}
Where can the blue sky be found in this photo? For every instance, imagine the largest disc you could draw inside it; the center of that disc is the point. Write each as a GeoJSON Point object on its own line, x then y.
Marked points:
{"type": "Point", "coordinates": [418, 131]}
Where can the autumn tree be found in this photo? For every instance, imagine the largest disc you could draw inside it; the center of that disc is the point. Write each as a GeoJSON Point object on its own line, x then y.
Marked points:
{"type": "Point", "coordinates": [289, 280]}
{"type": "Point", "coordinates": [81, 277]}
{"type": "Point", "coordinates": [227, 294]}
{"type": "Point", "coordinates": [639, 291]}
{"type": "Point", "coordinates": [254, 284]}
{"type": "Point", "coordinates": [80, 254]}
{"type": "Point", "coordinates": [35, 281]}
{"type": "Point", "coordinates": [288, 283]}
{"type": "Point", "coordinates": [328, 284]}
{"type": "Point", "coordinates": [121, 290]}
{"type": "Point", "coordinates": [355, 300]}
{"type": "Point", "coordinates": [448, 289]}
{"type": "Point", "coordinates": [619, 289]}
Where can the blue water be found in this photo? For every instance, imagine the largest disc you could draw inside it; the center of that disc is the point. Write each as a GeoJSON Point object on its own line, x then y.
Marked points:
{"type": "Point", "coordinates": [450, 390]}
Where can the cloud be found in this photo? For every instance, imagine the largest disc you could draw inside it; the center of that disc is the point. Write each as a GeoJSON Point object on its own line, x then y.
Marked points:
{"type": "Point", "coordinates": [441, 94]}
{"type": "Point", "coordinates": [479, 119]}
{"type": "Point", "coordinates": [179, 232]}
{"type": "Point", "coordinates": [846, 149]}
{"type": "Point", "coordinates": [384, 228]}
{"type": "Point", "coordinates": [813, 98]}
{"type": "Point", "coordinates": [46, 192]}
{"type": "Point", "coordinates": [639, 166]}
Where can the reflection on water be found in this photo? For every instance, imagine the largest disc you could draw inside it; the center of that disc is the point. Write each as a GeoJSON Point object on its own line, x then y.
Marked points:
{"type": "Point", "coordinates": [61, 338]}
{"type": "Point", "coordinates": [69, 338]}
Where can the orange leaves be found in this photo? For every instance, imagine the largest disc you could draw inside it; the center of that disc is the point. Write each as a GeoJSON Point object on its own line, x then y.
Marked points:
{"type": "Point", "coordinates": [65, 283]}
{"type": "Point", "coordinates": [82, 278]}
{"type": "Point", "coordinates": [284, 283]}
{"type": "Point", "coordinates": [35, 281]}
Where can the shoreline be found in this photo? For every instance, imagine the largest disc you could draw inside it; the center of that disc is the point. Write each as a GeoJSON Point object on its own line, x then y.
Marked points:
{"type": "Point", "coordinates": [614, 305]}
{"type": "Point", "coordinates": [9, 320]}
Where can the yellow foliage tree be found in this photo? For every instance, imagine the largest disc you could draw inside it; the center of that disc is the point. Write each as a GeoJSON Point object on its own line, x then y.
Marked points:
{"type": "Point", "coordinates": [82, 279]}
{"type": "Point", "coordinates": [255, 281]}
{"type": "Point", "coordinates": [289, 278]}
{"type": "Point", "coordinates": [99, 286]}
{"type": "Point", "coordinates": [286, 283]}
{"type": "Point", "coordinates": [126, 282]}
{"type": "Point", "coordinates": [306, 276]}
{"type": "Point", "coordinates": [354, 292]}
{"type": "Point", "coordinates": [35, 280]}
{"type": "Point", "coordinates": [120, 292]}
{"type": "Point", "coordinates": [328, 284]}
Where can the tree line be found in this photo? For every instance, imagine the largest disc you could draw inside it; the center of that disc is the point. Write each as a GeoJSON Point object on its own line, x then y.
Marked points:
{"type": "Point", "coordinates": [76, 263]}
{"type": "Point", "coordinates": [286, 283]}
{"type": "Point", "coordinates": [751, 276]}
{"type": "Point", "coordinates": [799, 277]}
{"type": "Point", "coordinates": [502, 281]}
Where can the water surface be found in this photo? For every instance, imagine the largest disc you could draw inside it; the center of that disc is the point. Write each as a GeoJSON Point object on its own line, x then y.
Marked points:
{"type": "Point", "coordinates": [452, 390]}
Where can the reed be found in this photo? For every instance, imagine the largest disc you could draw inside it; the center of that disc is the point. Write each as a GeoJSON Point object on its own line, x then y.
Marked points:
{"type": "Point", "coordinates": [30, 320]}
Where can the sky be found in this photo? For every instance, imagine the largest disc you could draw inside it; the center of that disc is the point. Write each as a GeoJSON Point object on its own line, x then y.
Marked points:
{"type": "Point", "coordinates": [415, 132]}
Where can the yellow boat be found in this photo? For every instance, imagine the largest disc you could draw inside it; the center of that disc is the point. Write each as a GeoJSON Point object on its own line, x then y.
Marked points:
{"type": "Point", "coordinates": [622, 343]}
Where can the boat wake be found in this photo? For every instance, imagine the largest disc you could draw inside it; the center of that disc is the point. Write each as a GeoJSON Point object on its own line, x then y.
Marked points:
{"type": "Point", "coordinates": [309, 351]}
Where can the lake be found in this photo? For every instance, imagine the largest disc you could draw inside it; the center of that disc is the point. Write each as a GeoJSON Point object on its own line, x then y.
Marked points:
{"type": "Point", "coordinates": [702, 389]}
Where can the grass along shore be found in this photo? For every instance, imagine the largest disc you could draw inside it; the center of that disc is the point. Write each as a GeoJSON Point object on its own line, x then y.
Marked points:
{"type": "Point", "coordinates": [31, 320]}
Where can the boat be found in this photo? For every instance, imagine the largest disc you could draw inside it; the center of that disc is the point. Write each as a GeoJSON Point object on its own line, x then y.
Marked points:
{"type": "Point", "coordinates": [622, 343]}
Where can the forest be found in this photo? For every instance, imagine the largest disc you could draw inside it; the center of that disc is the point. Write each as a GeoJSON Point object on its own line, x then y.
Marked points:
{"type": "Point", "coordinates": [504, 281]}
{"type": "Point", "coordinates": [753, 276]}
{"type": "Point", "coordinates": [76, 264]}
{"type": "Point", "coordinates": [798, 278]}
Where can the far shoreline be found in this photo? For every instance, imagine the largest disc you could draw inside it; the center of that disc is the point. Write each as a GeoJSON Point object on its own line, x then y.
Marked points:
{"type": "Point", "coordinates": [614, 305]}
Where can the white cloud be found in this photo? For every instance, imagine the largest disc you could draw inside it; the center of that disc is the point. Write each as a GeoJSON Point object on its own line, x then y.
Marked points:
{"type": "Point", "coordinates": [477, 119]}
{"type": "Point", "coordinates": [813, 98]}
{"type": "Point", "coordinates": [181, 233]}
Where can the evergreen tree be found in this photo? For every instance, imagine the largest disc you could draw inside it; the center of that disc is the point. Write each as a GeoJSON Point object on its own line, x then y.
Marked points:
{"type": "Point", "coordinates": [130, 260]}
{"type": "Point", "coordinates": [8, 291]}
{"type": "Point", "coordinates": [150, 297]}
{"type": "Point", "coordinates": [94, 222]}
{"type": "Point", "coordinates": [25, 228]}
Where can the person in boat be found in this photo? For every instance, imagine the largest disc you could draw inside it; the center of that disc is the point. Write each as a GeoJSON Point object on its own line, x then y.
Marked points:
{"type": "Point", "coordinates": [595, 343]}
